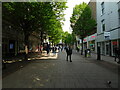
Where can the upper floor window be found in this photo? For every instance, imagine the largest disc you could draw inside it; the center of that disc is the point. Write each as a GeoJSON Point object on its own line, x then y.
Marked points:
{"type": "Point", "coordinates": [102, 8]}
{"type": "Point", "coordinates": [118, 13]}
{"type": "Point", "coordinates": [119, 16]}
{"type": "Point", "coordinates": [103, 25]}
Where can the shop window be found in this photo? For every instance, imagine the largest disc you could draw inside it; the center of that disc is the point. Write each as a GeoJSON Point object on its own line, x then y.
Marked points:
{"type": "Point", "coordinates": [107, 49]}
{"type": "Point", "coordinates": [11, 46]}
{"type": "Point", "coordinates": [114, 45]}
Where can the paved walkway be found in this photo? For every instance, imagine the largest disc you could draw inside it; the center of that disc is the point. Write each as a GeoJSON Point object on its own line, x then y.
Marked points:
{"type": "Point", "coordinates": [105, 58]}
{"type": "Point", "coordinates": [109, 59]}
{"type": "Point", "coordinates": [58, 73]}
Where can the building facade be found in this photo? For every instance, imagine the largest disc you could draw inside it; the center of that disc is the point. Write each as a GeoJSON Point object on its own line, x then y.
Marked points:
{"type": "Point", "coordinates": [13, 40]}
{"type": "Point", "coordinates": [108, 26]}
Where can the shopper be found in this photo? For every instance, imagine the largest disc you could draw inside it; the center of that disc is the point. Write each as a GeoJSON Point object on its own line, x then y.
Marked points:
{"type": "Point", "coordinates": [69, 53]}
{"type": "Point", "coordinates": [116, 53]}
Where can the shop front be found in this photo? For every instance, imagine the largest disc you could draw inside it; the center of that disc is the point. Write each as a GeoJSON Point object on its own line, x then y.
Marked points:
{"type": "Point", "coordinates": [92, 42]}
{"type": "Point", "coordinates": [107, 46]}
{"type": "Point", "coordinates": [103, 48]}
{"type": "Point", "coordinates": [115, 43]}
{"type": "Point", "coordinates": [92, 45]}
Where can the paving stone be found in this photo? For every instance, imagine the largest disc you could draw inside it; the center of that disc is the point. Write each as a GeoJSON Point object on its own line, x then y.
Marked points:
{"type": "Point", "coordinates": [81, 73]}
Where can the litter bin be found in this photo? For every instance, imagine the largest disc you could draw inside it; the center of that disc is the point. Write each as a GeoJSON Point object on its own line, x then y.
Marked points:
{"type": "Point", "coordinates": [85, 53]}
{"type": "Point", "coordinates": [88, 52]}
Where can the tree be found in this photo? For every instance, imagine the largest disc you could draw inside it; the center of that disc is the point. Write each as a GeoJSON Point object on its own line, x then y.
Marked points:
{"type": "Point", "coordinates": [82, 22]}
{"type": "Point", "coordinates": [34, 16]}
{"type": "Point", "coordinates": [68, 38]}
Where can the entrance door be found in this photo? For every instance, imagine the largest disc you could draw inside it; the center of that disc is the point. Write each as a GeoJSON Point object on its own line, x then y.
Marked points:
{"type": "Point", "coordinates": [103, 48]}
{"type": "Point", "coordinates": [12, 47]}
{"type": "Point", "coordinates": [107, 48]}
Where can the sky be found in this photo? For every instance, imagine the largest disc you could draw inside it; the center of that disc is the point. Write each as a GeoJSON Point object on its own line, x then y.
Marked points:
{"type": "Point", "coordinates": [68, 12]}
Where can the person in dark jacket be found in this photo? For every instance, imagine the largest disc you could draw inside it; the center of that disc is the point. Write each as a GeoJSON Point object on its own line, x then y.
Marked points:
{"type": "Point", "coordinates": [69, 52]}
{"type": "Point", "coordinates": [116, 53]}
{"type": "Point", "coordinates": [48, 48]}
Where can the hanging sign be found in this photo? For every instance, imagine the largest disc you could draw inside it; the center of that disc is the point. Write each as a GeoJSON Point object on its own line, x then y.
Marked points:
{"type": "Point", "coordinates": [107, 35]}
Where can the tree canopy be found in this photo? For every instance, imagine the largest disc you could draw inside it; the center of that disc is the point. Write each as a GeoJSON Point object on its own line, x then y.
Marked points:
{"type": "Point", "coordinates": [68, 38]}
{"type": "Point", "coordinates": [44, 17]}
{"type": "Point", "coordinates": [82, 22]}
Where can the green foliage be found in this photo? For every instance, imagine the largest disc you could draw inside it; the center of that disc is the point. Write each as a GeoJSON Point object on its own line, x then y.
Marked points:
{"type": "Point", "coordinates": [40, 17]}
{"type": "Point", "coordinates": [68, 38]}
{"type": "Point", "coordinates": [36, 16]}
{"type": "Point", "coordinates": [81, 20]}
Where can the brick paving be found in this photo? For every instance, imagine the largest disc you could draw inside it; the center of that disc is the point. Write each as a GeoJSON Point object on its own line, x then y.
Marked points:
{"type": "Point", "coordinates": [56, 72]}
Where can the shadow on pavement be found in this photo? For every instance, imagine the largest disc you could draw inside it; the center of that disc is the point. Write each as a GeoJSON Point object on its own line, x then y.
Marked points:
{"type": "Point", "coordinates": [16, 63]}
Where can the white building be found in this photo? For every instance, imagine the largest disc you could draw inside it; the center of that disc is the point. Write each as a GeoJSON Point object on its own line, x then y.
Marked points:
{"type": "Point", "coordinates": [108, 26]}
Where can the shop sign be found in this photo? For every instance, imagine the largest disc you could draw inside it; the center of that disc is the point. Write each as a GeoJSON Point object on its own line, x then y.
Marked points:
{"type": "Point", "coordinates": [107, 35]}
{"type": "Point", "coordinates": [93, 36]}
{"type": "Point", "coordinates": [84, 40]}
{"type": "Point", "coordinates": [91, 44]}
{"type": "Point", "coordinates": [114, 42]}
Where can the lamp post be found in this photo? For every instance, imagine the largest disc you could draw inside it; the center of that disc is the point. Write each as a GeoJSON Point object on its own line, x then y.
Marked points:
{"type": "Point", "coordinates": [98, 53]}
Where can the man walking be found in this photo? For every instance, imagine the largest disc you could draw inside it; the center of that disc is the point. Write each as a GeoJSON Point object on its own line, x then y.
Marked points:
{"type": "Point", "coordinates": [48, 48]}
{"type": "Point", "coordinates": [116, 53]}
{"type": "Point", "coordinates": [69, 52]}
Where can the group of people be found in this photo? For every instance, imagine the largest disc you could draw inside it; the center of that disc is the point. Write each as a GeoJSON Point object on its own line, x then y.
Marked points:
{"type": "Point", "coordinates": [49, 48]}
{"type": "Point", "coordinates": [69, 51]}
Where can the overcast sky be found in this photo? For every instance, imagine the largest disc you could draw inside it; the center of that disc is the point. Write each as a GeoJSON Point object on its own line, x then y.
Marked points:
{"type": "Point", "coordinates": [68, 12]}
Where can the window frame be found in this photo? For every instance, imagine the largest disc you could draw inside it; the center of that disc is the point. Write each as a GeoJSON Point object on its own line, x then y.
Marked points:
{"type": "Point", "coordinates": [102, 8]}
{"type": "Point", "coordinates": [119, 16]}
{"type": "Point", "coordinates": [103, 25]}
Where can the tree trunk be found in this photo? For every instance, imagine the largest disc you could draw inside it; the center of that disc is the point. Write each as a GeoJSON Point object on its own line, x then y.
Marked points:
{"type": "Point", "coordinates": [26, 45]}
{"type": "Point", "coordinates": [82, 47]}
{"type": "Point", "coordinates": [41, 37]}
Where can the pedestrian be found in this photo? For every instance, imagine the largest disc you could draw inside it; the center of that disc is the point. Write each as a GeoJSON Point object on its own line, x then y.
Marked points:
{"type": "Point", "coordinates": [41, 48]}
{"type": "Point", "coordinates": [77, 49]}
{"type": "Point", "coordinates": [69, 53]}
{"type": "Point", "coordinates": [53, 49]}
{"type": "Point", "coordinates": [48, 48]}
{"type": "Point", "coordinates": [61, 48]}
{"type": "Point", "coordinates": [116, 53]}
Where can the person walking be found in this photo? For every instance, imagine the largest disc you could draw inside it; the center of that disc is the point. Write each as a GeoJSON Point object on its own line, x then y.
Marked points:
{"type": "Point", "coordinates": [116, 53]}
{"type": "Point", "coordinates": [48, 48]}
{"type": "Point", "coordinates": [69, 53]}
{"type": "Point", "coordinates": [77, 49]}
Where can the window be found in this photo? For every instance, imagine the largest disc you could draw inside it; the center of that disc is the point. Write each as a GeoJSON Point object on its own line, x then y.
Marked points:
{"type": "Point", "coordinates": [103, 25]}
{"type": "Point", "coordinates": [102, 8]}
{"type": "Point", "coordinates": [119, 16]}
